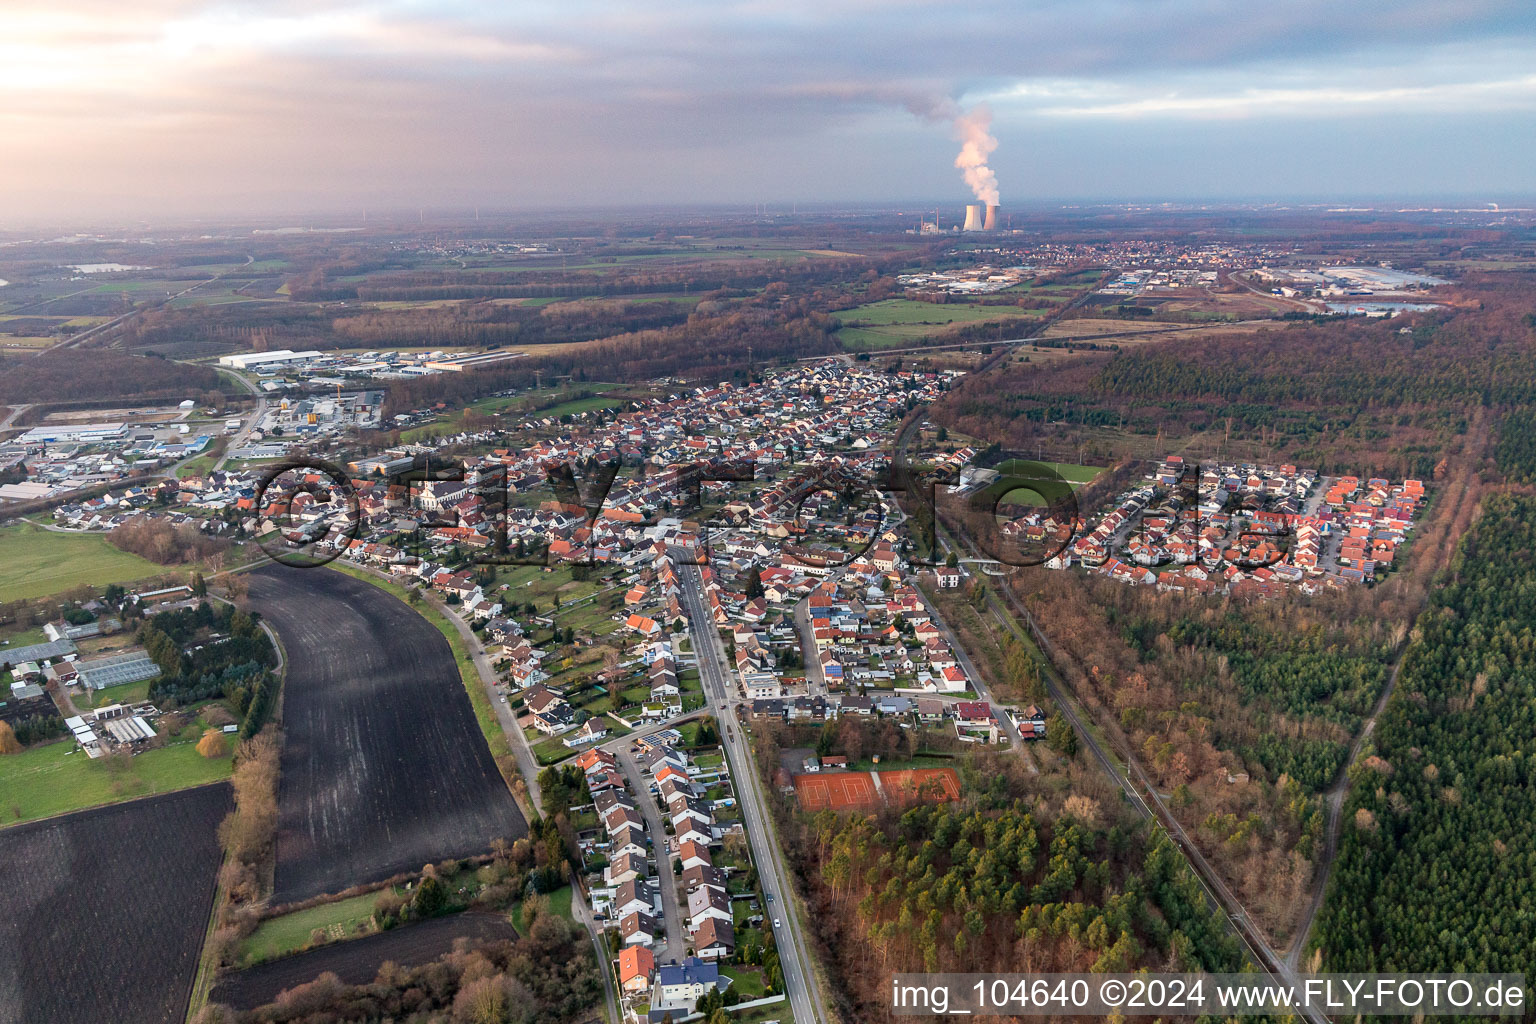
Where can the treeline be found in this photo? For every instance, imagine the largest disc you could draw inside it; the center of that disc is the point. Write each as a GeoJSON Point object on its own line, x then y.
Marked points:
{"type": "Point", "coordinates": [319, 284]}
{"type": "Point", "coordinates": [546, 976]}
{"type": "Point", "coordinates": [491, 324]}
{"type": "Point", "coordinates": [23, 732]}
{"type": "Point", "coordinates": [196, 331]}
{"type": "Point", "coordinates": [1437, 862]}
{"type": "Point", "coordinates": [61, 374]}
{"type": "Point", "coordinates": [165, 543]}
{"type": "Point", "coordinates": [247, 835]}
{"type": "Point", "coordinates": [204, 653]}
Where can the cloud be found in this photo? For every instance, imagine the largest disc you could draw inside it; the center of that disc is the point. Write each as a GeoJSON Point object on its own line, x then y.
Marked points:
{"type": "Point", "coordinates": [1317, 101]}
{"type": "Point", "coordinates": [535, 101]}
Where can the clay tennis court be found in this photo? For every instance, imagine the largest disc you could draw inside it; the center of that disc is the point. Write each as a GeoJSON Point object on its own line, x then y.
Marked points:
{"type": "Point", "coordinates": [847, 791]}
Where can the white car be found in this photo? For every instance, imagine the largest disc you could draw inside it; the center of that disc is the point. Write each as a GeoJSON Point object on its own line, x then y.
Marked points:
{"type": "Point", "coordinates": [775, 922]}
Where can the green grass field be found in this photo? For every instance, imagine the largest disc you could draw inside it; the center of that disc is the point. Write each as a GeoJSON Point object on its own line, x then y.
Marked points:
{"type": "Point", "coordinates": [746, 981]}
{"type": "Point", "coordinates": [35, 562]}
{"type": "Point", "coordinates": [552, 749]}
{"type": "Point", "coordinates": [1068, 471]}
{"type": "Point", "coordinates": [124, 693]}
{"type": "Point", "coordinates": [196, 467]}
{"type": "Point", "coordinates": [278, 936]}
{"type": "Point", "coordinates": [22, 637]}
{"type": "Point", "coordinates": [894, 323]}
{"type": "Point", "coordinates": [449, 423]}
{"type": "Point", "coordinates": [577, 405]}
{"type": "Point", "coordinates": [532, 583]}
{"type": "Point", "coordinates": [56, 778]}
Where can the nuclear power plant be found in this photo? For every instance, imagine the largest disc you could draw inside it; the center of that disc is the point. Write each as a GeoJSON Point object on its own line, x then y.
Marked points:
{"type": "Point", "coordinates": [980, 218]}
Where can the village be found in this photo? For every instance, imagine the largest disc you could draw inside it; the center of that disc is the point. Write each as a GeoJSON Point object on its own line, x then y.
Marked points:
{"type": "Point", "coordinates": [759, 507]}
{"type": "Point", "coordinates": [762, 495]}
{"type": "Point", "coordinates": [1244, 529]}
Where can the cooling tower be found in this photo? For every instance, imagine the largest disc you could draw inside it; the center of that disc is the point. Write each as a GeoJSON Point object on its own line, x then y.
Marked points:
{"type": "Point", "coordinates": [991, 221]}
{"type": "Point", "coordinates": [973, 217]}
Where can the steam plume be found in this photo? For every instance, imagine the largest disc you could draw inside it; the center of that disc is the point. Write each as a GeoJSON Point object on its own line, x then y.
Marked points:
{"type": "Point", "coordinates": [973, 130]}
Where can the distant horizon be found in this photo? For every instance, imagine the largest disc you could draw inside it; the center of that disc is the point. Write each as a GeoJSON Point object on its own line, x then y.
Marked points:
{"type": "Point", "coordinates": [459, 214]}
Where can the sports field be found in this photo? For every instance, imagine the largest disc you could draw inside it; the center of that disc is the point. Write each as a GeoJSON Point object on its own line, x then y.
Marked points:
{"type": "Point", "coordinates": [847, 791]}
{"type": "Point", "coordinates": [1067, 471]}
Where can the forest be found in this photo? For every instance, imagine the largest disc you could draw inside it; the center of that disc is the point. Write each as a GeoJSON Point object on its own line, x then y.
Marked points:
{"type": "Point", "coordinates": [1381, 396]}
{"type": "Point", "coordinates": [63, 374]}
{"type": "Point", "coordinates": [712, 342]}
{"type": "Point", "coordinates": [1438, 855]}
{"type": "Point", "coordinates": [320, 283]}
{"type": "Point", "coordinates": [1515, 452]}
{"type": "Point", "coordinates": [1005, 879]}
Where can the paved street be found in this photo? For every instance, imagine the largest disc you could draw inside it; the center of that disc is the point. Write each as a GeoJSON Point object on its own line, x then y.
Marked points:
{"type": "Point", "coordinates": [793, 959]}
{"type": "Point", "coordinates": [672, 915]}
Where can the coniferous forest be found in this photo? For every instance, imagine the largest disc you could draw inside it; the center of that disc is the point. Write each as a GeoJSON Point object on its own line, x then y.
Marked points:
{"type": "Point", "coordinates": [1437, 861]}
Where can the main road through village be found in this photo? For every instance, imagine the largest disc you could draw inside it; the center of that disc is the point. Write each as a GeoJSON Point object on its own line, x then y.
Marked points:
{"type": "Point", "coordinates": [804, 997]}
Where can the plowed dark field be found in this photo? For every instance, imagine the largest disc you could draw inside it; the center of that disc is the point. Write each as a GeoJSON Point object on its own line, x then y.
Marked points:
{"type": "Point", "coordinates": [103, 912]}
{"type": "Point", "coordinates": [384, 768]}
{"type": "Point", "coordinates": [357, 962]}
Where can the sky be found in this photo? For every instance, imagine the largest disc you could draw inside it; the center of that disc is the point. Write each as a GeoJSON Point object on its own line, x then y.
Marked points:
{"type": "Point", "coordinates": [158, 108]}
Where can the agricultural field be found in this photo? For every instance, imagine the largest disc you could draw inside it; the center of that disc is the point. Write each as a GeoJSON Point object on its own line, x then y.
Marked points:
{"type": "Point", "coordinates": [35, 562]}
{"type": "Point", "coordinates": [384, 767]}
{"type": "Point", "coordinates": [896, 323]}
{"type": "Point", "coordinates": [357, 962]}
{"type": "Point", "coordinates": [103, 913]}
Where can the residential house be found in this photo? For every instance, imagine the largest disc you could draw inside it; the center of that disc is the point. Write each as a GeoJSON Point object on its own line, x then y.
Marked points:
{"type": "Point", "coordinates": [703, 877]}
{"type": "Point", "coordinates": [692, 855]}
{"type": "Point", "coordinates": [636, 965]}
{"type": "Point", "coordinates": [679, 986]}
{"type": "Point", "coordinates": [626, 867]}
{"type": "Point", "coordinates": [636, 896]}
{"type": "Point", "coordinates": [628, 840]}
{"type": "Point", "coordinates": [714, 940]}
{"type": "Point", "coordinates": [639, 928]}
